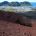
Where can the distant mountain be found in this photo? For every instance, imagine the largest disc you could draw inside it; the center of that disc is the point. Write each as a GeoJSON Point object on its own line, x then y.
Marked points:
{"type": "Point", "coordinates": [15, 4]}
{"type": "Point", "coordinates": [25, 3]}
{"type": "Point", "coordinates": [5, 3]}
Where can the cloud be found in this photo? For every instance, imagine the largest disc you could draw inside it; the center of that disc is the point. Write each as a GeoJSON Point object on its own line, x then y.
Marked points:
{"type": "Point", "coordinates": [18, 0]}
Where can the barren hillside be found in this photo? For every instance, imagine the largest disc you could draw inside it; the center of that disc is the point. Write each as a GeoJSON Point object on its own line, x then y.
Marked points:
{"type": "Point", "coordinates": [8, 26]}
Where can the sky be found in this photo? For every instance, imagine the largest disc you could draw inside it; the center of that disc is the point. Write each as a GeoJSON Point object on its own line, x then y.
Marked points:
{"type": "Point", "coordinates": [18, 0]}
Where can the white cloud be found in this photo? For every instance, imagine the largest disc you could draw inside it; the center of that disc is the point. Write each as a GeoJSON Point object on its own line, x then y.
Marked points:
{"type": "Point", "coordinates": [19, 0]}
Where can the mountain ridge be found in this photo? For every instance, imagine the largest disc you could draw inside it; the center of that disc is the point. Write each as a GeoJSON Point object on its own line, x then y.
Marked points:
{"type": "Point", "coordinates": [6, 3]}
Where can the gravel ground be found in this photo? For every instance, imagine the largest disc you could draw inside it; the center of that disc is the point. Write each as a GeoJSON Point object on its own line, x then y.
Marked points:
{"type": "Point", "coordinates": [15, 29]}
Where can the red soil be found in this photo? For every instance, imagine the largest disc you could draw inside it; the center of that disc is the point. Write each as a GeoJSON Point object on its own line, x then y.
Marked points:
{"type": "Point", "coordinates": [7, 28]}
{"type": "Point", "coordinates": [14, 29]}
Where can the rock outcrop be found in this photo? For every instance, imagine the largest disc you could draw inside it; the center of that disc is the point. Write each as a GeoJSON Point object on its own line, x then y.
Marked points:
{"type": "Point", "coordinates": [12, 17]}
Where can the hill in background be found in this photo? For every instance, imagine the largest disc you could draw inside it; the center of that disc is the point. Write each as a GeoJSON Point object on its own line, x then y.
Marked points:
{"type": "Point", "coordinates": [6, 3]}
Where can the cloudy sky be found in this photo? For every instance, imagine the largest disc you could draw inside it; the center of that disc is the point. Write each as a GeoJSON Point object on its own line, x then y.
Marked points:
{"type": "Point", "coordinates": [18, 0]}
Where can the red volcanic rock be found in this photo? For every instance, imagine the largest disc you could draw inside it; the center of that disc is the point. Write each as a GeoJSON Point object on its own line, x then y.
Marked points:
{"type": "Point", "coordinates": [12, 17]}
{"type": "Point", "coordinates": [8, 28]}
{"type": "Point", "coordinates": [8, 16]}
{"type": "Point", "coordinates": [13, 29]}
{"type": "Point", "coordinates": [25, 21]}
